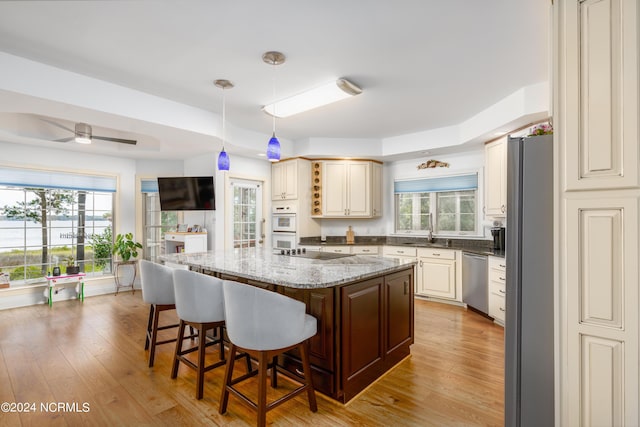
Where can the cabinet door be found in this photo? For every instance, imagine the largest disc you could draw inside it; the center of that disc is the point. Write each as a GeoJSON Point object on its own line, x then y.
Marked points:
{"type": "Point", "coordinates": [319, 304]}
{"type": "Point", "coordinates": [376, 189]}
{"type": "Point", "coordinates": [284, 180]}
{"type": "Point", "coordinates": [334, 181]}
{"type": "Point", "coordinates": [277, 181]}
{"type": "Point", "coordinates": [437, 278]}
{"type": "Point", "coordinates": [196, 243]}
{"type": "Point", "coordinates": [358, 189]}
{"type": "Point", "coordinates": [362, 334]}
{"type": "Point", "coordinates": [495, 192]}
{"type": "Point", "coordinates": [399, 316]}
{"type": "Point", "coordinates": [290, 176]}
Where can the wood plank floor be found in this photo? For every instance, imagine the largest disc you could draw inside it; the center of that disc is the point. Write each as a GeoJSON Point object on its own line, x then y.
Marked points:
{"type": "Point", "coordinates": [92, 356]}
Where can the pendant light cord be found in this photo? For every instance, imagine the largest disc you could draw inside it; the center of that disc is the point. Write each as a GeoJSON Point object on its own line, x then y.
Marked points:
{"type": "Point", "coordinates": [224, 115]}
{"type": "Point", "coordinates": [274, 98]}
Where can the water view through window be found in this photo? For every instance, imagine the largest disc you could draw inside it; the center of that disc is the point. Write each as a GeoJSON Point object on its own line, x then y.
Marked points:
{"type": "Point", "coordinates": [43, 228]}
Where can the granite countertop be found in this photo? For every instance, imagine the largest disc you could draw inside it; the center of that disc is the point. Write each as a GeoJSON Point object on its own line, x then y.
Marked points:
{"type": "Point", "coordinates": [480, 247]}
{"type": "Point", "coordinates": [296, 272]}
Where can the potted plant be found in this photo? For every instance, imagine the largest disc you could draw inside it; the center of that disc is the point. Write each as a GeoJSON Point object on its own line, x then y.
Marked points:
{"type": "Point", "coordinates": [72, 268]}
{"type": "Point", "coordinates": [125, 270]}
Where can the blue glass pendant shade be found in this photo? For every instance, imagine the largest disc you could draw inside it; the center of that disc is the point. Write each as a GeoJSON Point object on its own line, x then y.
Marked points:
{"type": "Point", "coordinates": [223, 161]}
{"type": "Point", "coordinates": [273, 149]}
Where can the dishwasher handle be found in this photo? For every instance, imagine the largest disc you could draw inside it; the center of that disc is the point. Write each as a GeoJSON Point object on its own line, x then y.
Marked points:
{"type": "Point", "coordinates": [470, 255]}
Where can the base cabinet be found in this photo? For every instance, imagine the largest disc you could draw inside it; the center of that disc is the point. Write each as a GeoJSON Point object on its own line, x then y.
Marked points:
{"type": "Point", "coordinates": [377, 328]}
{"type": "Point", "coordinates": [185, 242]}
{"type": "Point", "coordinates": [437, 274]}
{"type": "Point", "coordinates": [497, 288]}
{"type": "Point", "coordinates": [364, 329]}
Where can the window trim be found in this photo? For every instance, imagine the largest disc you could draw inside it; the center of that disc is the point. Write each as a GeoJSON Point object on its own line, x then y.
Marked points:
{"type": "Point", "coordinates": [438, 175]}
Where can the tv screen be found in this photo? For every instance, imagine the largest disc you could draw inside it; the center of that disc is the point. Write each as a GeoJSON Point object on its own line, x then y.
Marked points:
{"type": "Point", "coordinates": [186, 193]}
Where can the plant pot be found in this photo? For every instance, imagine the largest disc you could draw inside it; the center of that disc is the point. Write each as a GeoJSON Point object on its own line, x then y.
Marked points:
{"type": "Point", "coordinates": [73, 269]}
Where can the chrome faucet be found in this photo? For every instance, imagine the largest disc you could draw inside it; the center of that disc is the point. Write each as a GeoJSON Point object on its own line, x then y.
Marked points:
{"type": "Point", "coordinates": [430, 235]}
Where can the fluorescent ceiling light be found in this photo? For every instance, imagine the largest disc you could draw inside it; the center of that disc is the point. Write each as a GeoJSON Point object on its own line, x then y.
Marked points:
{"type": "Point", "coordinates": [313, 98]}
{"type": "Point", "coordinates": [83, 140]}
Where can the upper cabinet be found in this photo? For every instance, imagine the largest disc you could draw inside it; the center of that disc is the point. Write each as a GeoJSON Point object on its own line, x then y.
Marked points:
{"type": "Point", "coordinates": [495, 192]}
{"type": "Point", "coordinates": [376, 189]}
{"type": "Point", "coordinates": [284, 180]}
{"type": "Point", "coordinates": [348, 189]}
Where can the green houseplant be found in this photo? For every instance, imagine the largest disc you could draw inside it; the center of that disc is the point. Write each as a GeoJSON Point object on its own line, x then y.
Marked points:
{"type": "Point", "coordinates": [125, 270]}
{"type": "Point", "coordinates": [125, 247]}
{"type": "Point", "coordinates": [72, 268]}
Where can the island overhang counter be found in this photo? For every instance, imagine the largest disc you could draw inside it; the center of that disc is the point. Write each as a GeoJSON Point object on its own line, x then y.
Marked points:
{"type": "Point", "coordinates": [363, 304]}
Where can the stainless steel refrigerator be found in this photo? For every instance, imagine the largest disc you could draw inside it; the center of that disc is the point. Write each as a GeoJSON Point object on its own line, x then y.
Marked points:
{"type": "Point", "coordinates": [529, 367]}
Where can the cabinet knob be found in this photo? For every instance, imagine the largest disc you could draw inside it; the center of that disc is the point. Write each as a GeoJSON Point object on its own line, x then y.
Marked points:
{"type": "Point", "coordinates": [502, 309]}
{"type": "Point", "coordinates": [502, 291]}
{"type": "Point", "coordinates": [502, 208]}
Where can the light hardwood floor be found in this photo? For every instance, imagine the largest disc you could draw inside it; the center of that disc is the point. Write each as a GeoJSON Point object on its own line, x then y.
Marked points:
{"type": "Point", "coordinates": [92, 354]}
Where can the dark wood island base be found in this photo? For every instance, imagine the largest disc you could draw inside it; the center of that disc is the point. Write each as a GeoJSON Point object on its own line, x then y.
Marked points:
{"type": "Point", "coordinates": [365, 328]}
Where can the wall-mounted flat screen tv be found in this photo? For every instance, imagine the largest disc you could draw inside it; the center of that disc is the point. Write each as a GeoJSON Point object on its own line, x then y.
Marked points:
{"type": "Point", "coordinates": [186, 193]}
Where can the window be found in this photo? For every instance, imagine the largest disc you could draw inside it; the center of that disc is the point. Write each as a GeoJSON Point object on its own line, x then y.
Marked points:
{"type": "Point", "coordinates": [42, 228]}
{"type": "Point", "coordinates": [447, 205]}
{"type": "Point", "coordinates": [155, 221]}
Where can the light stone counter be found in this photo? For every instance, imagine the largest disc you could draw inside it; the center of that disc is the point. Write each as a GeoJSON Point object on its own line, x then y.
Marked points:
{"type": "Point", "coordinates": [291, 271]}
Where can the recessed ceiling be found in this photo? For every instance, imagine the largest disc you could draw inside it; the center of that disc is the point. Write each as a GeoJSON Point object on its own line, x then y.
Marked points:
{"type": "Point", "coordinates": [421, 64]}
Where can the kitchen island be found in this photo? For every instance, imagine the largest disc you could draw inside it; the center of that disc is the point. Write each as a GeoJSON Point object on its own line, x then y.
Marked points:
{"type": "Point", "coordinates": [363, 304]}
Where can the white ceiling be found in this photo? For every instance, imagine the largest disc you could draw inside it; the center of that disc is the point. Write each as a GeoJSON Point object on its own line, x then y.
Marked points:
{"type": "Point", "coordinates": [422, 64]}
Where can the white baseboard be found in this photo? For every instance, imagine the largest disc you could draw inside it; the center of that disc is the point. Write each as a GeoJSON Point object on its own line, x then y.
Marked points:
{"type": "Point", "coordinates": [33, 295]}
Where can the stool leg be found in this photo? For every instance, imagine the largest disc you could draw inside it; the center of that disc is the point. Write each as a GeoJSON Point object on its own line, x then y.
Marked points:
{"type": "Point", "coordinates": [219, 331]}
{"type": "Point", "coordinates": [262, 389]}
{"type": "Point", "coordinates": [154, 336]}
{"type": "Point", "coordinates": [306, 367]}
{"type": "Point", "coordinates": [176, 357]}
{"type": "Point", "coordinates": [274, 372]}
{"type": "Point", "coordinates": [202, 346]}
{"type": "Point", "coordinates": [149, 323]}
{"type": "Point", "coordinates": [228, 373]}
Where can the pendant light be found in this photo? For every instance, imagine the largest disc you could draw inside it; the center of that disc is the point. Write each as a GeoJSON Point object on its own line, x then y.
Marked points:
{"type": "Point", "coordinates": [273, 148]}
{"type": "Point", "coordinates": [223, 157]}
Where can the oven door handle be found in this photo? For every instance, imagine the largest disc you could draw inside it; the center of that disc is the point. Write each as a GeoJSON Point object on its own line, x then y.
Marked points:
{"type": "Point", "coordinates": [262, 223]}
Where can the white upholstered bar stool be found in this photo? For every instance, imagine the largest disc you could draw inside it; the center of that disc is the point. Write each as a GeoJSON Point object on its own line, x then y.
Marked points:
{"type": "Point", "coordinates": [265, 324]}
{"type": "Point", "coordinates": [200, 304]}
{"type": "Point", "coordinates": [157, 290]}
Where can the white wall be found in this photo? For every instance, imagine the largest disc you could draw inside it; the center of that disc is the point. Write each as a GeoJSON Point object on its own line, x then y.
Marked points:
{"type": "Point", "coordinates": [240, 167]}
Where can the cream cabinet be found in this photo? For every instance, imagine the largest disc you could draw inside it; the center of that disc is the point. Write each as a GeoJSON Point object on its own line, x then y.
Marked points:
{"type": "Point", "coordinates": [284, 180]}
{"type": "Point", "coordinates": [436, 275]}
{"type": "Point", "coordinates": [598, 199]}
{"type": "Point", "coordinates": [495, 175]}
{"type": "Point", "coordinates": [497, 288]}
{"type": "Point", "coordinates": [351, 249]}
{"type": "Point", "coordinates": [185, 242]}
{"type": "Point", "coordinates": [348, 188]}
{"type": "Point", "coordinates": [376, 189]}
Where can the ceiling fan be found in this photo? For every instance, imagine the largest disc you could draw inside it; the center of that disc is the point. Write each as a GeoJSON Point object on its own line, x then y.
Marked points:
{"type": "Point", "coordinates": [82, 134]}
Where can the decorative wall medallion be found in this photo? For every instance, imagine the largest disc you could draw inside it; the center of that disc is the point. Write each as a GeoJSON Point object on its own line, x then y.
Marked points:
{"type": "Point", "coordinates": [433, 164]}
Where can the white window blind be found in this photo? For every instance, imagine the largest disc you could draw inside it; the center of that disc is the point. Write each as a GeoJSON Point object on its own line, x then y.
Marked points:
{"type": "Point", "coordinates": [443, 183]}
{"type": "Point", "coordinates": [51, 179]}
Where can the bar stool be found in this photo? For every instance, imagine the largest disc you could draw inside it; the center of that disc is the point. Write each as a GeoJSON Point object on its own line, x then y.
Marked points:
{"type": "Point", "coordinates": [200, 304]}
{"type": "Point", "coordinates": [157, 290]}
{"type": "Point", "coordinates": [265, 324]}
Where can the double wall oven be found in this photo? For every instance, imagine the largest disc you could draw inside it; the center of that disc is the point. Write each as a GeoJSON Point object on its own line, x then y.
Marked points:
{"type": "Point", "coordinates": [284, 228]}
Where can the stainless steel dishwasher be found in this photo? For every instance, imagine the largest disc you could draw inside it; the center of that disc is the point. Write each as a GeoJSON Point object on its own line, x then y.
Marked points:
{"type": "Point", "coordinates": [475, 291]}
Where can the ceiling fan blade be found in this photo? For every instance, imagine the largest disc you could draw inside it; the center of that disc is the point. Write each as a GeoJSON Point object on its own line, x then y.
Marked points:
{"type": "Point", "coordinates": [64, 139]}
{"type": "Point", "coordinates": [120, 140]}
{"type": "Point", "coordinates": [51, 122]}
